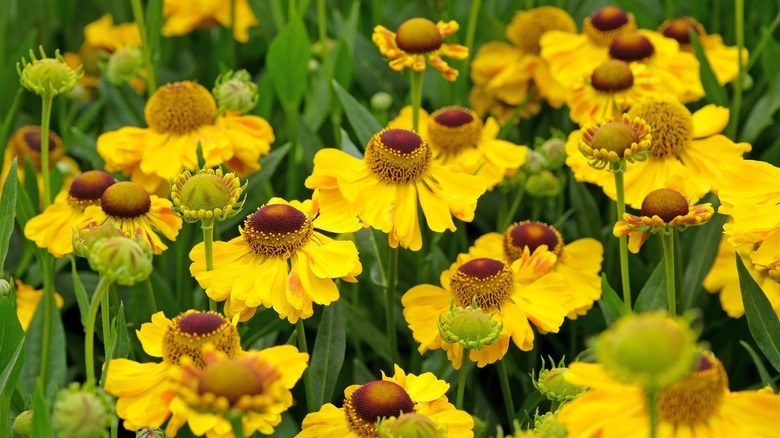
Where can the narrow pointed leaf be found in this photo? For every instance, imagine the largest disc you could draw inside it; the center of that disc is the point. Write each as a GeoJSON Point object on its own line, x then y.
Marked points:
{"type": "Point", "coordinates": [762, 319]}
{"type": "Point", "coordinates": [328, 354]}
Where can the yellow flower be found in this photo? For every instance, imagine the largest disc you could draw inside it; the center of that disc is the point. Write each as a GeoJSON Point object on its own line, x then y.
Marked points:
{"type": "Point", "coordinates": [181, 116]}
{"type": "Point", "coordinates": [723, 279]}
{"type": "Point", "coordinates": [698, 406]}
{"type": "Point", "coordinates": [519, 292]}
{"type": "Point", "coordinates": [145, 390]}
{"type": "Point", "coordinates": [458, 139]}
{"type": "Point", "coordinates": [26, 142]}
{"type": "Point", "coordinates": [257, 384]}
{"type": "Point", "coordinates": [279, 261]}
{"type": "Point", "coordinates": [27, 299]}
{"type": "Point", "coordinates": [103, 33]}
{"type": "Point", "coordinates": [403, 393]}
{"type": "Point", "coordinates": [688, 153]}
{"type": "Point", "coordinates": [418, 40]}
{"type": "Point", "coordinates": [663, 211]}
{"type": "Point", "coordinates": [50, 229]}
{"type": "Point", "coordinates": [484, 103]}
{"type": "Point", "coordinates": [130, 208]}
{"type": "Point", "coordinates": [383, 189]}
{"type": "Point", "coordinates": [579, 261]}
{"type": "Point", "coordinates": [184, 16]}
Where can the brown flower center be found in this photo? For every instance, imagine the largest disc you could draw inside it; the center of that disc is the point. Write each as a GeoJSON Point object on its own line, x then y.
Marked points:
{"type": "Point", "coordinates": [179, 108]}
{"type": "Point", "coordinates": [696, 398]}
{"type": "Point", "coordinates": [489, 281]}
{"type": "Point", "coordinates": [88, 188]}
{"type": "Point", "coordinates": [527, 27]}
{"type": "Point", "coordinates": [418, 35]}
{"type": "Point", "coordinates": [277, 230]}
{"type": "Point", "coordinates": [531, 235]}
{"type": "Point", "coordinates": [373, 401]}
{"type": "Point", "coordinates": [191, 330]}
{"type": "Point", "coordinates": [453, 129]}
{"type": "Point", "coordinates": [397, 155]}
{"type": "Point", "coordinates": [607, 23]}
{"type": "Point", "coordinates": [671, 122]}
{"type": "Point", "coordinates": [631, 46]}
{"type": "Point", "coordinates": [612, 76]}
{"type": "Point", "coordinates": [26, 142]}
{"type": "Point", "coordinates": [664, 203]}
{"type": "Point", "coordinates": [125, 199]}
{"type": "Point", "coordinates": [679, 29]}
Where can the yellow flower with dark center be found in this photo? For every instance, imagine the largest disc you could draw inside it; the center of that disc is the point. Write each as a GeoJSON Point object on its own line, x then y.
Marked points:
{"type": "Point", "coordinates": [257, 384]}
{"type": "Point", "coordinates": [418, 41]}
{"type": "Point", "coordinates": [688, 153]}
{"type": "Point", "coordinates": [383, 189]}
{"type": "Point", "coordinates": [663, 210]}
{"type": "Point", "coordinates": [145, 390]}
{"type": "Point", "coordinates": [391, 397]}
{"type": "Point", "coordinates": [26, 142]}
{"type": "Point", "coordinates": [50, 228]}
{"type": "Point", "coordinates": [458, 139]}
{"type": "Point", "coordinates": [700, 405]}
{"type": "Point", "coordinates": [181, 118]}
{"type": "Point", "coordinates": [184, 16]}
{"type": "Point", "coordinates": [579, 262]}
{"type": "Point", "coordinates": [130, 208]}
{"type": "Point", "coordinates": [27, 299]}
{"type": "Point", "coordinates": [279, 261]}
{"type": "Point", "coordinates": [520, 293]}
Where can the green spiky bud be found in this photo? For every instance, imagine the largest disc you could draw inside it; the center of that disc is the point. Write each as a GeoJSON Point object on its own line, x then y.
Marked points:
{"type": "Point", "coordinates": [470, 327]}
{"type": "Point", "coordinates": [123, 65]}
{"type": "Point", "coordinates": [122, 259]}
{"type": "Point", "coordinates": [47, 76]}
{"type": "Point", "coordinates": [235, 91]}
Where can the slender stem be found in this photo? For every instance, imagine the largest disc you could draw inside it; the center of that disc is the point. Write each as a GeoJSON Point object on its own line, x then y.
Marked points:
{"type": "Point", "coordinates": [392, 277]}
{"type": "Point", "coordinates": [138, 14]}
{"type": "Point", "coordinates": [45, 122]}
{"type": "Point", "coordinates": [307, 382]}
{"type": "Point", "coordinates": [623, 241]}
{"type": "Point", "coordinates": [671, 286]}
{"type": "Point", "coordinates": [506, 391]}
{"type": "Point", "coordinates": [510, 214]}
{"type": "Point", "coordinates": [322, 28]}
{"type": "Point", "coordinates": [207, 225]}
{"type": "Point", "coordinates": [736, 101]}
{"type": "Point", "coordinates": [416, 97]}
{"type": "Point", "coordinates": [89, 345]}
{"type": "Point", "coordinates": [237, 423]}
{"type": "Point", "coordinates": [152, 301]}
{"type": "Point", "coordinates": [464, 366]}
{"type": "Point", "coordinates": [291, 10]}
{"type": "Point", "coordinates": [670, 7]}
{"type": "Point", "coordinates": [105, 318]}
{"type": "Point", "coordinates": [470, 32]}
{"type": "Point", "coordinates": [47, 265]}
{"type": "Point", "coordinates": [756, 52]}
{"type": "Point", "coordinates": [652, 407]}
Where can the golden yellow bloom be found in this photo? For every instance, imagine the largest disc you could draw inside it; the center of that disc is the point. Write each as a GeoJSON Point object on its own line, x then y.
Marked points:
{"type": "Point", "coordinates": [130, 208]}
{"type": "Point", "coordinates": [184, 16]}
{"type": "Point", "coordinates": [257, 384]}
{"type": "Point", "coordinates": [26, 142]}
{"type": "Point", "coordinates": [390, 397]}
{"type": "Point", "coordinates": [417, 41]}
{"type": "Point", "coordinates": [579, 262]}
{"type": "Point", "coordinates": [458, 139]}
{"type": "Point", "coordinates": [104, 34]}
{"type": "Point", "coordinates": [383, 189]}
{"type": "Point", "coordinates": [27, 299]}
{"type": "Point", "coordinates": [485, 103]}
{"type": "Point", "coordinates": [181, 116]}
{"type": "Point", "coordinates": [52, 229]}
{"type": "Point", "coordinates": [279, 261]}
{"type": "Point", "coordinates": [663, 211]}
{"type": "Point", "coordinates": [688, 153]}
{"type": "Point", "coordinates": [521, 292]}
{"type": "Point", "coordinates": [699, 406]}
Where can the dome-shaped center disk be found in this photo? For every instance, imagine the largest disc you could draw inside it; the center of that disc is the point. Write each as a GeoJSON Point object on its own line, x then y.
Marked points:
{"type": "Point", "coordinates": [180, 107]}
{"type": "Point", "coordinates": [612, 76]}
{"type": "Point", "coordinates": [696, 398]}
{"type": "Point", "coordinates": [125, 199]}
{"type": "Point", "coordinates": [200, 323]}
{"type": "Point", "coordinates": [664, 203]}
{"type": "Point", "coordinates": [205, 191]}
{"type": "Point", "coordinates": [400, 140]}
{"type": "Point", "coordinates": [631, 46]}
{"type": "Point", "coordinates": [614, 137]}
{"type": "Point", "coordinates": [481, 268]}
{"type": "Point", "coordinates": [533, 235]}
{"type": "Point", "coordinates": [397, 155]}
{"type": "Point", "coordinates": [33, 140]}
{"type": "Point", "coordinates": [671, 123]}
{"type": "Point", "coordinates": [527, 27]}
{"type": "Point", "coordinates": [381, 399]}
{"type": "Point", "coordinates": [418, 35]}
{"type": "Point", "coordinates": [487, 281]}
{"type": "Point", "coordinates": [679, 29]}
{"type": "Point", "coordinates": [230, 378]}
{"type": "Point", "coordinates": [609, 18]}
{"type": "Point", "coordinates": [191, 330]}
{"type": "Point", "coordinates": [277, 219]}
{"type": "Point", "coordinates": [453, 117]}
{"type": "Point", "coordinates": [90, 185]}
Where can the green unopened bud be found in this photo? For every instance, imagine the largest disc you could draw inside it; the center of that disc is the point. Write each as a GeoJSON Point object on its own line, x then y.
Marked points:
{"type": "Point", "coordinates": [84, 240]}
{"type": "Point", "coordinates": [150, 432]}
{"type": "Point", "coordinates": [122, 259]}
{"type": "Point", "coordinates": [547, 426]}
{"type": "Point", "coordinates": [534, 162]}
{"type": "Point", "coordinates": [23, 425]}
{"type": "Point", "coordinates": [470, 327]}
{"type": "Point", "coordinates": [747, 81]}
{"type": "Point", "coordinates": [553, 385]}
{"type": "Point", "coordinates": [235, 91]}
{"type": "Point", "coordinates": [207, 194]}
{"type": "Point", "coordinates": [79, 413]}
{"type": "Point", "coordinates": [381, 101]}
{"type": "Point", "coordinates": [554, 151]}
{"type": "Point", "coordinates": [543, 184]}
{"type": "Point", "coordinates": [319, 49]}
{"type": "Point", "coordinates": [123, 65]}
{"type": "Point", "coordinates": [5, 288]}
{"type": "Point", "coordinates": [47, 76]}
{"type": "Point", "coordinates": [410, 425]}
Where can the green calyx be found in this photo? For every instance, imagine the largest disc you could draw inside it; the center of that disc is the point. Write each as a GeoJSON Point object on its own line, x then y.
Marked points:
{"type": "Point", "coordinates": [470, 327]}
{"type": "Point", "coordinates": [47, 76]}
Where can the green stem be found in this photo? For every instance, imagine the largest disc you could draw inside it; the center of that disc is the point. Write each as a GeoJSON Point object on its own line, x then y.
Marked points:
{"type": "Point", "coordinates": [510, 214]}
{"type": "Point", "coordinates": [623, 241]}
{"type": "Point", "coordinates": [105, 318]}
{"type": "Point", "coordinates": [464, 366]}
{"type": "Point", "coordinates": [652, 407]}
{"type": "Point", "coordinates": [138, 14]}
{"type": "Point", "coordinates": [295, 154]}
{"type": "Point", "coordinates": [291, 10]}
{"type": "Point", "coordinates": [207, 225]}
{"type": "Point", "coordinates": [756, 52]}
{"type": "Point", "coordinates": [89, 345]}
{"type": "Point", "coordinates": [152, 301]}
{"type": "Point", "coordinates": [307, 382]}
{"type": "Point", "coordinates": [470, 32]}
{"type": "Point", "coordinates": [670, 7]}
{"type": "Point", "coordinates": [45, 122]}
{"type": "Point", "coordinates": [503, 377]}
{"type": "Point", "coordinates": [392, 277]}
{"type": "Point", "coordinates": [736, 102]}
{"type": "Point", "coordinates": [237, 423]}
{"type": "Point", "coordinates": [416, 98]}
{"type": "Point", "coordinates": [48, 310]}
{"type": "Point", "coordinates": [671, 286]}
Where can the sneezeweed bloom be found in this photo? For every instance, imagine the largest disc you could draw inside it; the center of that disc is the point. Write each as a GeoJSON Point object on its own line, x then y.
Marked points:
{"type": "Point", "coordinates": [103, 34]}
{"type": "Point", "coordinates": [517, 294]}
{"type": "Point", "coordinates": [145, 390]}
{"type": "Point", "coordinates": [209, 194]}
{"type": "Point", "coordinates": [579, 262]}
{"type": "Point", "coordinates": [47, 77]}
{"type": "Point", "coordinates": [699, 405]}
{"type": "Point", "coordinates": [25, 142]}
{"type": "Point", "coordinates": [396, 176]}
{"type": "Point", "coordinates": [279, 261]}
{"type": "Point", "coordinates": [235, 92]}
{"type": "Point", "coordinates": [49, 229]}
{"type": "Point", "coordinates": [80, 412]}
{"type": "Point", "coordinates": [182, 17]}
{"type": "Point", "coordinates": [255, 385]}
{"type": "Point", "coordinates": [129, 207]}
{"type": "Point", "coordinates": [612, 144]}
{"type": "Point", "coordinates": [663, 211]}
{"type": "Point", "coordinates": [418, 41]}
{"type": "Point", "coordinates": [458, 139]}
{"type": "Point", "coordinates": [688, 154]}
{"type": "Point", "coordinates": [552, 384]}
{"type": "Point", "coordinates": [27, 299]}
{"type": "Point", "coordinates": [391, 397]}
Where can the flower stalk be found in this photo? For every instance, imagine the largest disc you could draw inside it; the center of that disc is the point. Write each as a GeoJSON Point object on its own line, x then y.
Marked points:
{"type": "Point", "coordinates": [623, 242]}
{"type": "Point", "coordinates": [671, 286]}
{"type": "Point", "coordinates": [307, 382]}
{"type": "Point", "coordinates": [89, 346]}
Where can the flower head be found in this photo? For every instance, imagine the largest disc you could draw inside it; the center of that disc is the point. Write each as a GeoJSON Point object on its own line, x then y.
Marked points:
{"type": "Point", "coordinates": [417, 41]}
{"type": "Point", "coordinates": [207, 194]}
{"type": "Point", "coordinates": [184, 16]}
{"type": "Point", "coordinates": [47, 76]}
{"type": "Point", "coordinates": [235, 91]}
{"type": "Point", "coordinates": [611, 144]}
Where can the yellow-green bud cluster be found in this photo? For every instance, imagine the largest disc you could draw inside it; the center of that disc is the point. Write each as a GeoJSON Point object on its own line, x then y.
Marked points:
{"type": "Point", "coordinates": [470, 327]}
{"type": "Point", "coordinates": [410, 425]}
{"type": "Point", "coordinates": [82, 413]}
{"type": "Point", "coordinates": [547, 426]}
{"type": "Point", "coordinates": [84, 240]}
{"type": "Point", "coordinates": [553, 385]}
{"type": "Point", "coordinates": [47, 76]}
{"type": "Point", "coordinates": [235, 91]}
{"type": "Point", "coordinates": [5, 288]}
{"type": "Point", "coordinates": [123, 65]}
{"type": "Point", "coordinates": [122, 259]}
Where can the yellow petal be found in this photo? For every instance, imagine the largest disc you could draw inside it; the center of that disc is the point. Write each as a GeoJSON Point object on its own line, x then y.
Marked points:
{"type": "Point", "coordinates": [709, 120]}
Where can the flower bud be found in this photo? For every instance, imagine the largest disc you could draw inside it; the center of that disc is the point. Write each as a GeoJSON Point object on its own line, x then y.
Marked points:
{"type": "Point", "coordinates": [554, 151]}
{"type": "Point", "coordinates": [23, 425]}
{"type": "Point", "coordinates": [235, 92]}
{"type": "Point", "coordinates": [47, 76]}
{"type": "Point", "coordinates": [552, 384]}
{"type": "Point", "coordinates": [80, 413]}
{"type": "Point", "coordinates": [150, 432]}
{"type": "Point", "coordinates": [121, 258]}
{"type": "Point", "coordinates": [547, 425]}
{"type": "Point", "coordinates": [84, 240]}
{"type": "Point", "coordinates": [123, 65]}
{"type": "Point", "coordinates": [381, 101]}
{"type": "Point", "coordinates": [5, 288]}
{"type": "Point", "coordinates": [543, 184]}
{"type": "Point", "coordinates": [470, 327]}
{"type": "Point", "coordinates": [410, 425]}
{"type": "Point", "coordinates": [207, 194]}
{"type": "Point", "coordinates": [534, 162]}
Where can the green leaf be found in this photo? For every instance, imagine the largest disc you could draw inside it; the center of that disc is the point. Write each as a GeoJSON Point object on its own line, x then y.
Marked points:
{"type": "Point", "coordinates": [363, 123]}
{"type": "Point", "coordinates": [585, 208]}
{"type": "Point", "coordinates": [349, 147]}
{"type": "Point", "coordinates": [766, 379]}
{"type": "Point", "coordinates": [40, 420]}
{"type": "Point", "coordinates": [762, 113]}
{"type": "Point", "coordinates": [653, 293]}
{"type": "Point", "coordinates": [328, 354]}
{"type": "Point", "coordinates": [288, 62]}
{"type": "Point", "coordinates": [11, 352]}
{"type": "Point", "coordinates": [7, 207]}
{"type": "Point", "coordinates": [706, 243]}
{"type": "Point", "coordinates": [611, 305]}
{"type": "Point", "coordinates": [712, 89]}
{"type": "Point", "coordinates": [120, 335]}
{"type": "Point", "coordinates": [761, 317]}
{"type": "Point", "coordinates": [81, 294]}
{"type": "Point", "coordinates": [341, 60]}
{"type": "Point", "coordinates": [359, 324]}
